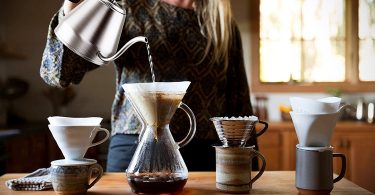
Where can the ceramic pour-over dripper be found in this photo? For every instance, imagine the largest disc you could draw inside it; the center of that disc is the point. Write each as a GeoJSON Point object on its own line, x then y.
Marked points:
{"type": "Point", "coordinates": [236, 131]}
{"type": "Point", "coordinates": [315, 130]}
{"type": "Point", "coordinates": [75, 135]}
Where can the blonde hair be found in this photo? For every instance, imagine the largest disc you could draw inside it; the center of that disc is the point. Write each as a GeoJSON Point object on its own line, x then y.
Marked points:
{"type": "Point", "coordinates": [215, 20]}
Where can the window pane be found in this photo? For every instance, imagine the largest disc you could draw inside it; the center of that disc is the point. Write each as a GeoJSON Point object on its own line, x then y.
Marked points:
{"type": "Point", "coordinates": [280, 60]}
{"type": "Point", "coordinates": [366, 34]}
{"type": "Point", "coordinates": [324, 61]}
{"type": "Point", "coordinates": [303, 40]}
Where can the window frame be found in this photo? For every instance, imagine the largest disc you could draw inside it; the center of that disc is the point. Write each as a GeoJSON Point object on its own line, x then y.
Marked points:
{"type": "Point", "coordinates": [351, 83]}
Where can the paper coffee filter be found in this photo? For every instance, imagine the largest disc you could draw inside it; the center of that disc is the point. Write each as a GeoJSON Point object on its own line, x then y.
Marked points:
{"type": "Point", "coordinates": [240, 118]}
{"type": "Point", "coordinates": [73, 121]}
{"type": "Point", "coordinates": [165, 87]}
{"type": "Point", "coordinates": [315, 106]}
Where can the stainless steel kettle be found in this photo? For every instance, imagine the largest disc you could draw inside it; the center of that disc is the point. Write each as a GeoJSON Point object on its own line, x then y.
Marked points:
{"type": "Point", "coordinates": [93, 29]}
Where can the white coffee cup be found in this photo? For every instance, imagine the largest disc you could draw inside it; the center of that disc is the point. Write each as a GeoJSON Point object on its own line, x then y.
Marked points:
{"type": "Point", "coordinates": [74, 141]}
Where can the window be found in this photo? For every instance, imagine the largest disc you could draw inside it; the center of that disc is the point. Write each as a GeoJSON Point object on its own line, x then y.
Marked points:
{"type": "Point", "coordinates": [366, 34]}
{"type": "Point", "coordinates": [314, 45]}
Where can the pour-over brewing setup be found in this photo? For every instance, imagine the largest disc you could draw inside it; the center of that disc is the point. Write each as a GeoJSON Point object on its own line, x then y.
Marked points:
{"type": "Point", "coordinates": [93, 29]}
{"type": "Point", "coordinates": [234, 158]}
{"type": "Point", "coordinates": [314, 122]}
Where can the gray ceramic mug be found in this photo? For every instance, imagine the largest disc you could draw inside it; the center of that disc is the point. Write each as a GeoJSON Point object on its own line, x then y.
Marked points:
{"type": "Point", "coordinates": [233, 168]}
{"type": "Point", "coordinates": [73, 176]}
{"type": "Point", "coordinates": [314, 169]}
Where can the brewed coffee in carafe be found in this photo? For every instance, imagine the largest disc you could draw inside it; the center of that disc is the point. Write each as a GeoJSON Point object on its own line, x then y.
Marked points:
{"type": "Point", "coordinates": [157, 165]}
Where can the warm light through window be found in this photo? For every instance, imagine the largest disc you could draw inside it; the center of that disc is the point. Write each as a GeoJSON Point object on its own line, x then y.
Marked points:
{"type": "Point", "coordinates": [366, 34]}
{"type": "Point", "coordinates": [302, 40]}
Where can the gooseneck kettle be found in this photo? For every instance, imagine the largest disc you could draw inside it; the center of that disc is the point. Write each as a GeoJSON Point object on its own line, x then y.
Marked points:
{"type": "Point", "coordinates": [93, 29]}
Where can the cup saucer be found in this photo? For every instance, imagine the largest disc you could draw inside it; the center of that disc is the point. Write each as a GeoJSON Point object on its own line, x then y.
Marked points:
{"type": "Point", "coordinates": [68, 162]}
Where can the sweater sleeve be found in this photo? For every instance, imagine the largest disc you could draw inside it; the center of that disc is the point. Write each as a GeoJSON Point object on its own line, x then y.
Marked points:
{"type": "Point", "coordinates": [238, 95]}
{"type": "Point", "coordinates": [60, 66]}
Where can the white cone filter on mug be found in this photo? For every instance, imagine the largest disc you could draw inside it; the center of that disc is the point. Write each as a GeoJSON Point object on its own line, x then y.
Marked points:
{"type": "Point", "coordinates": [74, 141]}
{"type": "Point", "coordinates": [314, 130]}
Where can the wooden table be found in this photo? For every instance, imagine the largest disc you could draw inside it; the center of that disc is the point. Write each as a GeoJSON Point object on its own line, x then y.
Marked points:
{"type": "Point", "coordinates": [199, 183]}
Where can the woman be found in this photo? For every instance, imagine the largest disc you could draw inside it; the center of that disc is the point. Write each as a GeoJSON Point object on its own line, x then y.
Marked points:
{"type": "Point", "coordinates": [190, 40]}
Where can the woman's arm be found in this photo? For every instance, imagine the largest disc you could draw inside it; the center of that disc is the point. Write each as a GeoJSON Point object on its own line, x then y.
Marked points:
{"type": "Point", "coordinates": [61, 67]}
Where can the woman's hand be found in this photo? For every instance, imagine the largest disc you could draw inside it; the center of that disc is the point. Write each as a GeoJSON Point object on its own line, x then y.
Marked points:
{"type": "Point", "coordinates": [69, 5]}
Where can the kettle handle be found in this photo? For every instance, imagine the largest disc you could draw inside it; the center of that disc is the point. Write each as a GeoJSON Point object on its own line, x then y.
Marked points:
{"type": "Point", "coordinates": [74, 1]}
{"type": "Point", "coordinates": [193, 125]}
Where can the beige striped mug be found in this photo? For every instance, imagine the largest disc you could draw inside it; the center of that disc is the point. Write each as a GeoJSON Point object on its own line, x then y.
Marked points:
{"type": "Point", "coordinates": [233, 168]}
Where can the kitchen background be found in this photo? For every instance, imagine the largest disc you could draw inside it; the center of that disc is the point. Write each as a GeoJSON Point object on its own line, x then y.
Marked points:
{"type": "Point", "coordinates": [23, 28]}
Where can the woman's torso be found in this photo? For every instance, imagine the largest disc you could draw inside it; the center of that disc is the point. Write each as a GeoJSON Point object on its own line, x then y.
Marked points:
{"type": "Point", "coordinates": [176, 47]}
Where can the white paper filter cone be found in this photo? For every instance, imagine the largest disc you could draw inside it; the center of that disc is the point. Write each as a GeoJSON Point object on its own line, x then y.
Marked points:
{"type": "Point", "coordinates": [314, 130]}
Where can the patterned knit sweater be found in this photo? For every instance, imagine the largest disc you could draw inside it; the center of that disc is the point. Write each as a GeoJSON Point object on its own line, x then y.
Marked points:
{"type": "Point", "coordinates": [177, 46]}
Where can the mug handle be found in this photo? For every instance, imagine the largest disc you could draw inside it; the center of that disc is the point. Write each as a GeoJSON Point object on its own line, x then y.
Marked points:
{"type": "Point", "coordinates": [100, 174]}
{"type": "Point", "coordinates": [262, 169]}
{"type": "Point", "coordinates": [343, 166]}
{"type": "Point", "coordinates": [193, 125]}
{"type": "Point", "coordinates": [103, 140]}
{"type": "Point", "coordinates": [263, 130]}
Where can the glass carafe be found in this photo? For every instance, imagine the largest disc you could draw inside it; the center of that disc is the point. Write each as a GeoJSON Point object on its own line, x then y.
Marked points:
{"type": "Point", "coordinates": [157, 165]}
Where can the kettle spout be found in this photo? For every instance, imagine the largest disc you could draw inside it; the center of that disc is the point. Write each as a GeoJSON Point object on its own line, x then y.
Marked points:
{"type": "Point", "coordinates": [124, 48]}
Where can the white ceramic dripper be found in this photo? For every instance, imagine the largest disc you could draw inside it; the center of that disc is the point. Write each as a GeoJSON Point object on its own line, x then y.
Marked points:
{"type": "Point", "coordinates": [315, 130]}
{"type": "Point", "coordinates": [75, 135]}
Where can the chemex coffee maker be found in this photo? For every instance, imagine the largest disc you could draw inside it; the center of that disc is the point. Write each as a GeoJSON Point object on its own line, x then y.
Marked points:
{"type": "Point", "coordinates": [157, 165]}
{"type": "Point", "coordinates": [314, 121]}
